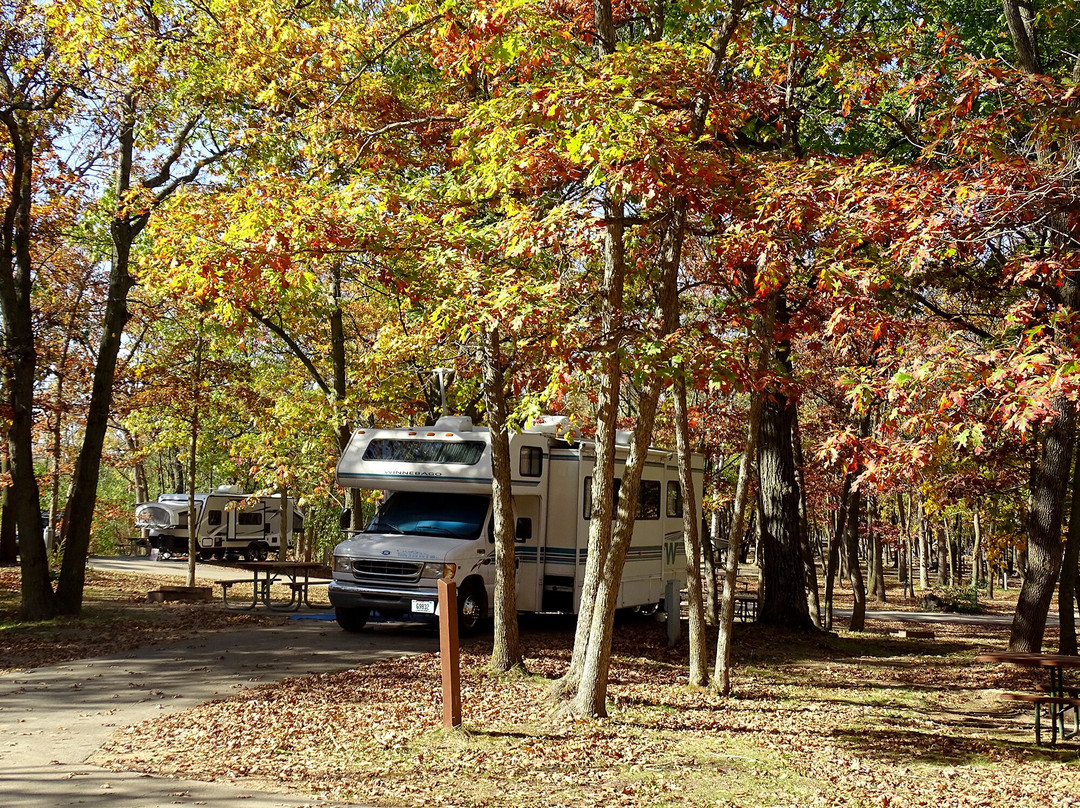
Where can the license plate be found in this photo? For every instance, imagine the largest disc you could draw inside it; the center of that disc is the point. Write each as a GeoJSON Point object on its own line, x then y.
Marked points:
{"type": "Point", "coordinates": [424, 607]}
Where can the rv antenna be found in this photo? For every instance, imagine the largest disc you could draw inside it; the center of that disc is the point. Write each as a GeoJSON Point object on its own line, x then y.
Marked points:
{"type": "Point", "coordinates": [444, 376]}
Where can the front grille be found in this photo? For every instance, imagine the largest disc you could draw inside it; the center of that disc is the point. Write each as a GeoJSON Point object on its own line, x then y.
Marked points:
{"type": "Point", "coordinates": [397, 571]}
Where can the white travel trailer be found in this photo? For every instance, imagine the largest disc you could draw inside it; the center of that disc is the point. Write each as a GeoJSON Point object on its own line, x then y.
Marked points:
{"type": "Point", "coordinates": [227, 524]}
{"type": "Point", "coordinates": [435, 522]}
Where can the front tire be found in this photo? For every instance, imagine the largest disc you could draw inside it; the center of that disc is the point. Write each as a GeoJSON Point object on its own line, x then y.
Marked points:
{"type": "Point", "coordinates": [471, 608]}
{"type": "Point", "coordinates": [351, 619]}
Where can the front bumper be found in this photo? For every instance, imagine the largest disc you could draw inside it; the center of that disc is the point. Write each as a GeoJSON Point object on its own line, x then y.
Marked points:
{"type": "Point", "coordinates": [382, 600]}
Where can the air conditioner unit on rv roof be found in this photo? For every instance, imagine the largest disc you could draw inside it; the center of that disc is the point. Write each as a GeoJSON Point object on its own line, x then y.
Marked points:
{"type": "Point", "coordinates": [454, 423]}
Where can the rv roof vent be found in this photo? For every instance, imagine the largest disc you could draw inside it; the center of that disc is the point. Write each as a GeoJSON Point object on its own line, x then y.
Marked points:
{"type": "Point", "coordinates": [454, 423]}
{"type": "Point", "coordinates": [623, 437]}
{"type": "Point", "coordinates": [550, 424]}
{"type": "Point", "coordinates": [229, 489]}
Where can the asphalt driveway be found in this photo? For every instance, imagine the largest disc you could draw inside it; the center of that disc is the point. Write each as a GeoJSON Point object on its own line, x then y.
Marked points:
{"type": "Point", "coordinates": [52, 719]}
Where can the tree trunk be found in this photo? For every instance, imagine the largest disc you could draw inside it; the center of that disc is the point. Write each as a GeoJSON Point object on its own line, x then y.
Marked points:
{"type": "Point", "coordinates": [876, 549]}
{"type": "Point", "coordinates": [20, 367]}
{"type": "Point", "coordinates": [9, 551]}
{"type": "Point", "coordinates": [942, 555]}
{"type": "Point", "coordinates": [835, 542]}
{"type": "Point", "coordinates": [722, 665]}
{"type": "Point", "coordinates": [813, 603]}
{"type": "Point", "coordinates": [603, 477]}
{"type": "Point", "coordinates": [699, 672]}
{"type": "Point", "coordinates": [506, 648]}
{"type": "Point", "coordinates": [193, 457]}
{"type": "Point", "coordinates": [976, 547]}
{"type": "Point", "coordinates": [712, 604]}
{"type": "Point", "coordinates": [125, 228]}
{"type": "Point", "coordinates": [924, 549]}
{"type": "Point", "coordinates": [854, 568]}
{"type": "Point", "coordinates": [783, 597]}
{"type": "Point", "coordinates": [591, 696]}
{"type": "Point", "coordinates": [1044, 550]}
{"type": "Point", "coordinates": [1069, 578]}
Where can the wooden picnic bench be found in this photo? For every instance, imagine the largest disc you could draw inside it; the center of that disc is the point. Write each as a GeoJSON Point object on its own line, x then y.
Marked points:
{"type": "Point", "coordinates": [295, 575]}
{"type": "Point", "coordinates": [1060, 702]}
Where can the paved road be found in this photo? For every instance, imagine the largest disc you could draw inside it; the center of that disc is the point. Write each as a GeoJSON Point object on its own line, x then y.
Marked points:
{"type": "Point", "coordinates": [52, 719]}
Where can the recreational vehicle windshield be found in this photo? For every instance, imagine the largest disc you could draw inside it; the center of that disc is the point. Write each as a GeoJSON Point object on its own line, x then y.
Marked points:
{"type": "Point", "coordinates": [435, 522]}
{"type": "Point", "coordinates": [228, 524]}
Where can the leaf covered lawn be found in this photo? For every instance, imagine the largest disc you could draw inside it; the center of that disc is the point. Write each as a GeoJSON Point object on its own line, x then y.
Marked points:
{"type": "Point", "coordinates": [115, 617]}
{"type": "Point", "coordinates": [870, 721]}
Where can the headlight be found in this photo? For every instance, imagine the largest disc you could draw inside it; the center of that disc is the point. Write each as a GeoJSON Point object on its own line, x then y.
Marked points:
{"type": "Point", "coordinates": [432, 570]}
{"type": "Point", "coordinates": [342, 564]}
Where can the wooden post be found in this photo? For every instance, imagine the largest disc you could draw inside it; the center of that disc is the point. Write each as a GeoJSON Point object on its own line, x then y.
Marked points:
{"type": "Point", "coordinates": [449, 654]}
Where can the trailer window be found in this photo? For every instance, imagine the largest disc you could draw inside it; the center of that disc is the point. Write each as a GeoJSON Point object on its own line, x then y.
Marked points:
{"type": "Point", "coordinates": [249, 518]}
{"type": "Point", "coordinates": [213, 518]}
{"type": "Point", "coordinates": [424, 513]}
{"type": "Point", "coordinates": [531, 461]}
{"type": "Point", "coordinates": [392, 450]}
{"type": "Point", "coordinates": [648, 506]}
{"type": "Point", "coordinates": [674, 498]}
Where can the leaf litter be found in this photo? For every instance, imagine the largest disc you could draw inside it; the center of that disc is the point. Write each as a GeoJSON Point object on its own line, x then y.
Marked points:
{"type": "Point", "coordinates": [864, 720]}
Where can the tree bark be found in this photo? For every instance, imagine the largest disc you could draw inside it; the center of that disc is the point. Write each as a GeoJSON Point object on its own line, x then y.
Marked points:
{"type": "Point", "coordinates": [854, 568]}
{"type": "Point", "coordinates": [506, 648]}
{"type": "Point", "coordinates": [193, 456]}
{"type": "Point", "coordinates": [835, 542]}
{"type": "Point", "coordinates": [699, 672]}
{"type": "Point", "coordinates": [722, 665]}
{"type": "Point", "coordinates": [603, 477]}
{"type": "Point", "coordinates": [813, 603]}
{"type": "Point", "coordinates": [38, 601]}
{"type": "Point", "coordinates": [783, 596]}
{"type": "Point", "coordinates": [1044, 550]}
{"type": "Point", "coordinates": [1067, 584]}
{"type": "Point", "coordinates": [591, 696]}
{"type": "Point", "coordinates": [125, 228]}
{"type": "Point", "coordinates": [9, 551]}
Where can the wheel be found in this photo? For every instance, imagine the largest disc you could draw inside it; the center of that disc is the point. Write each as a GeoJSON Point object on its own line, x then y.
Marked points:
{"type": "Point", "coordinates": [256, 551]}
{"type": "Point", "coordinates": [471, 607]}
{"type": "Point", "coordinates": [351, 619]}
{"type": "Point", "coordinates": [204, 555]}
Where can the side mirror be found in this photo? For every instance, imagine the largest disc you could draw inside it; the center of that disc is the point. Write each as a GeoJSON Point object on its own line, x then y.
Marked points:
{"type": "Point", "coordinates": [345, 519]}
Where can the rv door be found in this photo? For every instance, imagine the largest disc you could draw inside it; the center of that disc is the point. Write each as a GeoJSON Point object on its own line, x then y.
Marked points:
{"type": "Point", "coordinates": [529, 552]}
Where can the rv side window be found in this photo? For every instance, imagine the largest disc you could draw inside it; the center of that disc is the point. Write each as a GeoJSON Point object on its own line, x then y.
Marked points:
{"type": "Point", "coordinates": [648, 507]}
{"type": "Point", "coordinates": [531, 461]}
{"type": "Point", "coordinates": [674, 498]}
{"type": "Point", "coordinates": [586, 498]}
{"type": "Point", "coordinates": [249, 518]}
{"type": "Point", "coordinates": [213, 518]}
{"type": "Point", "coordinates": [467, 452]}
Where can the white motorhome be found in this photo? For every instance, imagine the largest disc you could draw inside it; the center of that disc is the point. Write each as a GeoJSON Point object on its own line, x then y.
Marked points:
{"type": "Point", "coordinates": [229, 524]}
{"type": "Point", "coordinates": [435, 521]}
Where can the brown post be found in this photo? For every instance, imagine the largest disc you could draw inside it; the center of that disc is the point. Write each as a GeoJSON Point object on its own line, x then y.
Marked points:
{"type": "Point", "coordinates": [448, 653]}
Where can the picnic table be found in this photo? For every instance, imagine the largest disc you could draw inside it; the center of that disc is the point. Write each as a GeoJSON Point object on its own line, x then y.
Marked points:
{"type": "Point", "coordinates": [296, 575]}
{"type": "Point", "coordinates": [1060, 701]}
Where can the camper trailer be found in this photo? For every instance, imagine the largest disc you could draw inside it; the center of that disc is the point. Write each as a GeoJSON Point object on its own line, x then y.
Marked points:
{"type": "Point", "coordinates": [228, 524]}
{"type": "Point", "coordinates": [435, 522]}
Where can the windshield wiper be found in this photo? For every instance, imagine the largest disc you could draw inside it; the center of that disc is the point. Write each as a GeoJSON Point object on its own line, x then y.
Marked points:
{"type": "Point", "coordinates": [385, 527]}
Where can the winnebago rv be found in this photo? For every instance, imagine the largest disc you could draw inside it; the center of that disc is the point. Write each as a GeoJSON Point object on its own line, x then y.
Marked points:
{"type": "Point", "coordinates": [227, 526]}
{"type": "Point", "coordinates": [435, 521]}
